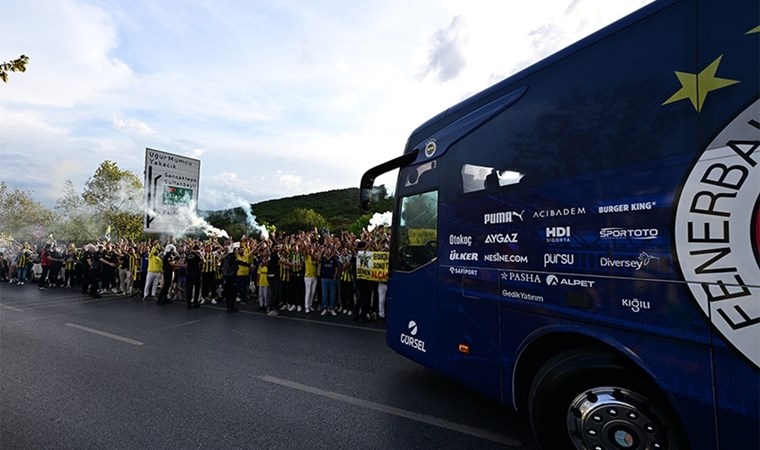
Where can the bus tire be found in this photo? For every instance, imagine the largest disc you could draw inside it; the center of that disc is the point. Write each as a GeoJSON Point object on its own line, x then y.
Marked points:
{"type": "Point", "coordinates": [585, 399]}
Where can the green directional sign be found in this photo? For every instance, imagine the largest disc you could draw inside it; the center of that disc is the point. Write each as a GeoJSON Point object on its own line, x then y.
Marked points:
{"type": "Point", "coordinates": [177, 196]}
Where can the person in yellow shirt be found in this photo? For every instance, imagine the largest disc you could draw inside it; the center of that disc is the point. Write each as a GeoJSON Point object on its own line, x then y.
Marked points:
{"type": "Point", "coordinates": [263, 282]}
{"type": "Point", "coordinates": [244, 257]}
{"type": "Point", "coordinates": [309, 277]}
{"type": "Point", "coordinates": [155, 268]}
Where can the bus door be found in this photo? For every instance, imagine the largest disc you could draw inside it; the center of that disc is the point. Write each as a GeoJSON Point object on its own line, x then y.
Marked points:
{"type": "Point", "coordinates": [412, 300]}
{"type": "Point", "coordinates": [469, 316]}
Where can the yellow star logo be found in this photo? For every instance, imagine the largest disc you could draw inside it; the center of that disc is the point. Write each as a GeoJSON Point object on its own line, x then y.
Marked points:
{"type": "Point", "coordinates": [754, 30]}
{"type": "Point", "coordinates": [695, 87]}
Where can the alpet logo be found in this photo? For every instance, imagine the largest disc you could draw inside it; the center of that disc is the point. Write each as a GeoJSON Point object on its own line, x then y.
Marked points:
{"type": "Point", "coordinates": [554, 280]}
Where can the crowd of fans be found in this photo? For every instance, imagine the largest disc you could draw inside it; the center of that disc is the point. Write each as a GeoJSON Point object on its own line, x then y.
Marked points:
{"type": "Point", "coordinates": [304, 272]}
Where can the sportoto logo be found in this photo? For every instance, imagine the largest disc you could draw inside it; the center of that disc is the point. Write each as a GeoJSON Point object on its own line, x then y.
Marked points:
{"type": "Point", "coordinates": [717, 231]}
{"type": "Point", "coordinates": [413, 328]}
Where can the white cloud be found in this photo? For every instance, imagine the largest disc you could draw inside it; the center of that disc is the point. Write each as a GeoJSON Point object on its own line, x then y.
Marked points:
{"type": "Point", "coordinates": [131, 126]}
{"type": "Point", "coordinates": [288, 181]}
{"type": "Point", "coordinates": [447, 56]}
{"type": "Point", "coordinates": [276, 97]}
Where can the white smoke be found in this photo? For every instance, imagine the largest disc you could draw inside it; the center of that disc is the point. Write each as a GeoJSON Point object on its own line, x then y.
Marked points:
{"type": "Point", "coordinates": [239, 202]}
{"type": "Point", "coordinates": [380, 219]}
{"type": "Point", "coordinates": [188, 220]}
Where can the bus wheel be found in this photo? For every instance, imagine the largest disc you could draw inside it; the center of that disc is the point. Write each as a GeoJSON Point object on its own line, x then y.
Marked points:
{"type": "Point", "coordinates": [585, 400]}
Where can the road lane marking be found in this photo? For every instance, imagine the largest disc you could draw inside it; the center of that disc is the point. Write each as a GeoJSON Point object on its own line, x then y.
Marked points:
{"type": "Point", "coordinates": [189, 323]}
{"type": "Point", "coordinates": [430, 420]}
{"type": "Point", "coordinates": [12, 308]}
{"type": "Point", "coordinates": [103, 333]}
{"type": "Point", "coordinates": [57, 304]}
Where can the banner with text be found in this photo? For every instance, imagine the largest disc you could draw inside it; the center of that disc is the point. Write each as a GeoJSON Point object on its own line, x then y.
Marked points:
{"type": "Point", "coordinates": [171, 183]}
{"type": "Point", "coordinates": [372, 266]}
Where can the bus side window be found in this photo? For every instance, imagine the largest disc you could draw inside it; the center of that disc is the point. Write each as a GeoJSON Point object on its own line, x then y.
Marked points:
{"type": "Point", "coordinates": [478, 178]}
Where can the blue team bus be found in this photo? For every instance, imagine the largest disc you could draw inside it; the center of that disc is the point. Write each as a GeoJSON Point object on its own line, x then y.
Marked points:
{"type": "Point", "coordinates": [580, 241]}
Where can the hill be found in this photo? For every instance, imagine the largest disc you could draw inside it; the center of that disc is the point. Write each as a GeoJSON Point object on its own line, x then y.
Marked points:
{"type": "Point", "coordinates": [339, 207]}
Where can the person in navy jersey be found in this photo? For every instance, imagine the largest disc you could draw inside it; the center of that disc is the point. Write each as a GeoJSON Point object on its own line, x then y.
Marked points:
{"type": "Point", "coordinates": [329, 265]}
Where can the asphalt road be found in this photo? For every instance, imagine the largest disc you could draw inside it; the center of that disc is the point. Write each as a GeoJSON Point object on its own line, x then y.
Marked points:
{"type": "Point", "coordinates": [116, 372]}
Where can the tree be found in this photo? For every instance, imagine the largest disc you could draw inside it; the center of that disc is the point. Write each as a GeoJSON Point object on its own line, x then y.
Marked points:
{"type": "Point", "coordinates": [360, 224]}
{"type": "Point", "coordinates": [20, 215]}
{"type": "Point", "coordinates": [116, 196]}
{"type": "Point", "coordinates": [233, 221]}
{"type": "Point", "coordinates": [301, 219]}
{"type": "Point", "coordinates": [17, 65]}
{"type": "Point", "coordinates": [77, 222]}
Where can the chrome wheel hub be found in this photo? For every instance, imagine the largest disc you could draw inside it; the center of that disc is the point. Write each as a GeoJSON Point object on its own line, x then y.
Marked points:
{"type": "Point", "coordinates": [609, 418]}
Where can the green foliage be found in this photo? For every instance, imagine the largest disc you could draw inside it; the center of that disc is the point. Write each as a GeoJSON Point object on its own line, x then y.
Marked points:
{"type": "Point", "coordinates": [233, 221]}
{"type": "Point", "coordinates": [76, 221]}
{"type": "Point", "coordinates": [113, 189]}
{"type": "Point", "coordinates": [301, 219]}
{"type": "Point", "coordinates": [116, 198]}
{"type": "Point", "coordinates": [17, 65]}
{"type": "Point", "coordinates": [20, 214]}
{"type": "Point", "coordinates": [359, 224]}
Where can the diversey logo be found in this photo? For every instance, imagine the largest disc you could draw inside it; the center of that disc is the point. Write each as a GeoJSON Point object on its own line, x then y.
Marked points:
{"type": "Point", "coordinates": [410, 340]}
{"type": "Point", "coordinates": [642, 261]}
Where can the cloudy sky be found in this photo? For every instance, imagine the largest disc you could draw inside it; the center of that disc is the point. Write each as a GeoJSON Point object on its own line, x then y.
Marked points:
{"type": "Point", "coordinates": [275, 97]}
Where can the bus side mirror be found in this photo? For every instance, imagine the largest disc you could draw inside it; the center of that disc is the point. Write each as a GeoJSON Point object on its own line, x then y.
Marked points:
{"type": "Point", "coordinates": [368, 179]}
{"type": "Point", "coordinates": [365, 194]}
